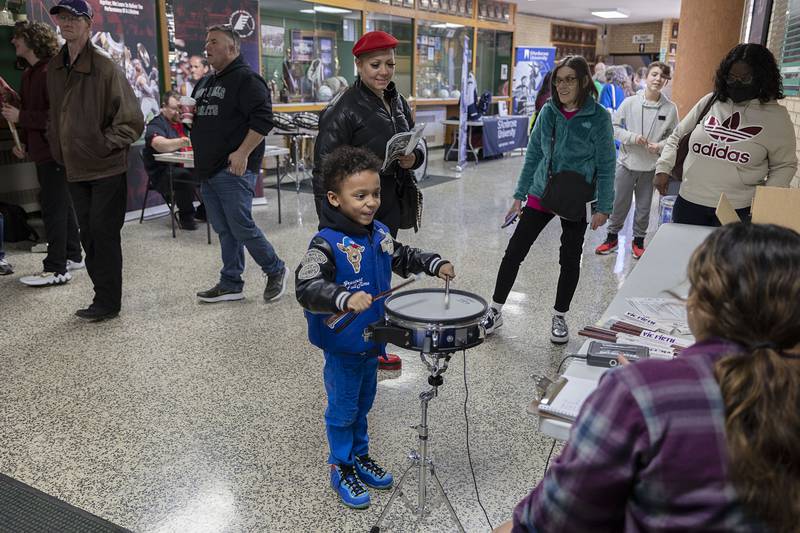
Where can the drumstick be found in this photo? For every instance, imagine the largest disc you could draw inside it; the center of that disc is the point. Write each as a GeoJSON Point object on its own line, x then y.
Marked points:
{"type": "Point", "coordinates": [447, 292]}
{"type": "Point", "coordinates": [332, 320]}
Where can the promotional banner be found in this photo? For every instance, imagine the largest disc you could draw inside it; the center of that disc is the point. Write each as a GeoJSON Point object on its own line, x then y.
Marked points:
{"type": "Point", "coordinates": [126, 30]}
{"type": "Point", "coordinates": [188, 21]}
{"type": "Point", "coordinates": [504, 134]}
{"type": "Point", "coordinates": [532, 63]}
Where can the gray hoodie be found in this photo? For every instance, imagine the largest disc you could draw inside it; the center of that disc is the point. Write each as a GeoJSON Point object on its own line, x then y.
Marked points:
{"type": "Point", "coordinates": [734, 149]}
{"type": "Point", "coordinates": [652, 120]}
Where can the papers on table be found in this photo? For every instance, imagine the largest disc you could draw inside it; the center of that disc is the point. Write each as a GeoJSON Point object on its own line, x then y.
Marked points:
{"type": "Point", "coordinates": [566, 402]}
{"type": "Point", "coordinates": [663, 314]}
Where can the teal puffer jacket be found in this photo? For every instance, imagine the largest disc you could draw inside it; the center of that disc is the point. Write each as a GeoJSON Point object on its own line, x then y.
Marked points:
{"type": "Point", "coordinates": [584, 144]}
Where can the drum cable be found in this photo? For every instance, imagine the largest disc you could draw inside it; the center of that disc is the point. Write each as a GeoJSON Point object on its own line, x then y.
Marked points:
{"type": "Point", "coordinates": [469, 455]}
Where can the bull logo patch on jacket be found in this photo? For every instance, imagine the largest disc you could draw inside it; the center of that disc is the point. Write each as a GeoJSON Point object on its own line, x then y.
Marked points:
{"type": "Point", "coordinates": [353, 250]}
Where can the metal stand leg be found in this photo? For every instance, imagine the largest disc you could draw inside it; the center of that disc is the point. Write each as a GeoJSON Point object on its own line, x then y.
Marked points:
{"type": "Point", "coordinates": [278, 173]}
{"type": "Point", "coordinates": [171, 202]}
{"type": "Point", "coordinates": [419, 458]}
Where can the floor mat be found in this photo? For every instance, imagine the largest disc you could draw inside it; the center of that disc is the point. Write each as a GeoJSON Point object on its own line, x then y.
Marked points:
{"type": "Point", "coordinates": [24, 509]}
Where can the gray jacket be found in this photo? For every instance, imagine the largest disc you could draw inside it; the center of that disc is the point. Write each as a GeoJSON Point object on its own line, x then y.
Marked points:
{"type": "Point", "coordinates": [652, 120]}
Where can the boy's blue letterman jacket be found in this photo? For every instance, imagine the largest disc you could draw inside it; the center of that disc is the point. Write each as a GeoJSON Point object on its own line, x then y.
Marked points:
{"type": "Point", "coordinates": [342, 259]}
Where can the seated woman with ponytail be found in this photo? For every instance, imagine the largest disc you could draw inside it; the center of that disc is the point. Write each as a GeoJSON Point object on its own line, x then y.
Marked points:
{"type": "Point", "coordinates": [708, 441]}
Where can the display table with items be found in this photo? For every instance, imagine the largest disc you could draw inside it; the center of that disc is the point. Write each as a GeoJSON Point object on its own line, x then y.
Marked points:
{"type": "Point", "coordinates": [498, 136]}
{"type": "Point", "coordinates": [642, 314]}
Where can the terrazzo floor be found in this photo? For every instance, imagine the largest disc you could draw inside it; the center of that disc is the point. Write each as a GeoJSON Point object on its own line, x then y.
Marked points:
{"type": "Point", "coordinates": [183, 417]}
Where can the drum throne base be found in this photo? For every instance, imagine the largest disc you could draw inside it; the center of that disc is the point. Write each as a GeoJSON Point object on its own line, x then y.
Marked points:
{"type": "Point", "coordinates": [420, 460]}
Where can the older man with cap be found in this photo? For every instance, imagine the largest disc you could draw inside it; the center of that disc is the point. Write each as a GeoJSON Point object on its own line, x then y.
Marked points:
{"type": "Point", "coordinates": [367, 115]}
{"type": "Point", "coordinates": [94, 118]}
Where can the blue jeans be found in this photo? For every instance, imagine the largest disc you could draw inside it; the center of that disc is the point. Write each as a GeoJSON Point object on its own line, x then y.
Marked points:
{"type": "Point", "coordinates": [350, 383]}
{"type": "Point", "coordinates": [229, 207]}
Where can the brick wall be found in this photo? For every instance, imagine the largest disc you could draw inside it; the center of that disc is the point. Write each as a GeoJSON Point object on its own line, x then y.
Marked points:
{"type": "Point", "coordinates": [620, 38]}
{"type": "Point", "coordinates": [777, 30]}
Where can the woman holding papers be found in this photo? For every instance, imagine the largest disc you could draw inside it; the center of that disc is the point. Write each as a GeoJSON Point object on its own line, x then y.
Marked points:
{"type": "Point", "coordinates": [739, 137]}
{"type": "Point", "coordinates": [367, 115]}
{"type": "Point", "coordinates": [706, 441]}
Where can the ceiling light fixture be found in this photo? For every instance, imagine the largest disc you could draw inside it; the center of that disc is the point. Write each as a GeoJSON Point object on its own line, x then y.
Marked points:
{"type": "Point", "coordinates": [448, 25]}
{"type": "Point", "coordinates": [615, 13]}
{"type": "Point", "coordinates": [334, 10]}
{"type": "Point", "coordinates": [307, 11]}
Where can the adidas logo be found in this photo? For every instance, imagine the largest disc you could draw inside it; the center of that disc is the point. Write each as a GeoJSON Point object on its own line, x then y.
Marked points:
{"type": "Point", "coordinates": [727, 132]}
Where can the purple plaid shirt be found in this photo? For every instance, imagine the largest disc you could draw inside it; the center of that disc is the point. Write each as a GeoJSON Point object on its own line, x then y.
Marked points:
{"type": "Point", "coordinates": [647, 453]}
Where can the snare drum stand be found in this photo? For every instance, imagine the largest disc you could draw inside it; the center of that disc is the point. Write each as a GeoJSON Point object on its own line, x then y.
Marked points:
{"type": "Point", "coordinates": [437, 365]}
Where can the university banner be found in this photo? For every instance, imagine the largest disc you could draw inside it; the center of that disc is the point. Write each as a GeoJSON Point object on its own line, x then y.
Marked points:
{"type": "Point", "coordinates": [532, 63]}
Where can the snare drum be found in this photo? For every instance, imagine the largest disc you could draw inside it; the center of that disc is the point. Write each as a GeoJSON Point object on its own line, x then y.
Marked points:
{"type": "Point", "coordinates": [431, 327]}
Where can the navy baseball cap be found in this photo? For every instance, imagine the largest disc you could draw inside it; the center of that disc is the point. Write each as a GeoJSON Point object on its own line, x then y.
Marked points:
{"type": "Point", "coordinates": [79, 8]}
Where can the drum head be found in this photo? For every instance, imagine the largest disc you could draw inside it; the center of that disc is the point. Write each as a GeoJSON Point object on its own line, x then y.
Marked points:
{"type": "Point", "coordinates": [427, 306]}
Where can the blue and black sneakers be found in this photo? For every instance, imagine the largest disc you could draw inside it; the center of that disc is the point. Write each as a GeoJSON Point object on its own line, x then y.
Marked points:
{"type": "Point", "coordinates": [349, 487]}
{"type": "Point", "coordinates": [372, 474]}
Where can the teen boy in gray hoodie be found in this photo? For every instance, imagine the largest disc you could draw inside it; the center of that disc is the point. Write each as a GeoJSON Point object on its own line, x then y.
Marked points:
{"type": "Point", "coordinates": [642, 125]}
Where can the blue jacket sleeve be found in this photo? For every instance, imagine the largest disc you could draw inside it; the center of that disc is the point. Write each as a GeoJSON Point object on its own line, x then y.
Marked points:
{"type": "Point", "coordinates": [605, 155]}
{"type": "Point", "coordinates": [533, 155]}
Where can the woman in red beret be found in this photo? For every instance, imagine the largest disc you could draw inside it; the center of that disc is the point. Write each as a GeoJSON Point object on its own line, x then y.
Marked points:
{"type": "Point", "coordinates": [367, 115]}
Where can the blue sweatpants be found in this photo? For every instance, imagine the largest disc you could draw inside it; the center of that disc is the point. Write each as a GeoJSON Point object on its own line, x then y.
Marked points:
{"type": "Point", "coordinates": [350, 382]}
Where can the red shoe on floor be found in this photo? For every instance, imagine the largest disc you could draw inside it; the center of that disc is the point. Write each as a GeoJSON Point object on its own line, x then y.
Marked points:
{"type": "Point", "coordinates": [389, 361]}
{"type": "Point", "coordinates": [637, 249]}
{"type": "Point", "coordinates": [607, 247]}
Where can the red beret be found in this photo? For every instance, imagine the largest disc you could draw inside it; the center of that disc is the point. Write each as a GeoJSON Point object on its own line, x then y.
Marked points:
{"type": "Point", "coordinates": [374, 40]}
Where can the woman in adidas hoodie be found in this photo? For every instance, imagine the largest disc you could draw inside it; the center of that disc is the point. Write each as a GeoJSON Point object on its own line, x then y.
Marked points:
{"type": "Point", "coordinates": [745, 139]}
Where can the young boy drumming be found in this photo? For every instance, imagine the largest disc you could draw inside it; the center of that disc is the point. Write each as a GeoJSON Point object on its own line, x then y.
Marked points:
{"type": "Point", "coordinates": [349, 261]}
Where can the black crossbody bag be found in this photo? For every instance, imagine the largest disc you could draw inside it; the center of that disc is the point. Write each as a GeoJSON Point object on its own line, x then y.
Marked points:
{"type": "Point", "coordinates": [567, 192]}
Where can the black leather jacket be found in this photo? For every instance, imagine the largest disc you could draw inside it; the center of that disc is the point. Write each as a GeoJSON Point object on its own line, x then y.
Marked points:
{"type": "Point", "coordinates": [358, 118]}
{"type": "Point", "coordinates": [320, 293]}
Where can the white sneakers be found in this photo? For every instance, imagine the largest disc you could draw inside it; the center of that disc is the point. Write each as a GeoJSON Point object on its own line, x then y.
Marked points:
{"type": "Point", "coordinates": [46, 278]}
{"type": "Point", "coordinates": [72, 265]}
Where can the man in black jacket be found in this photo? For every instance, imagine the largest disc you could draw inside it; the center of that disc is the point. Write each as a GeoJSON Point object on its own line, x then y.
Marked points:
{"type": "Point", "coordinates": [234, 114]}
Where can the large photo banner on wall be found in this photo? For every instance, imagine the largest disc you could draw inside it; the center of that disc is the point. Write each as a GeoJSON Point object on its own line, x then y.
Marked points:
{"type": "Point", "coordinates": [531, 65]}
{"type": "Point", "coordinates": [127, 32]}
{"type": "Point", "coordinates": [188, 20]}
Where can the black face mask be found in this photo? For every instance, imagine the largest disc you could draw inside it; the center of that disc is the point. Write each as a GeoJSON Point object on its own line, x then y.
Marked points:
{"type": "Point", "coordinates": [739, 92]}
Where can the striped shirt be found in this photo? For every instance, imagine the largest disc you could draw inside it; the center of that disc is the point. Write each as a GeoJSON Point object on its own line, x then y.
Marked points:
{"type": "Point", "coordinates": [647, 453]}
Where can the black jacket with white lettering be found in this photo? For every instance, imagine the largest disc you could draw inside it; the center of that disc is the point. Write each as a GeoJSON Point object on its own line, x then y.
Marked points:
{"type": "Point", "coordinates": [321, 294]}
{"type": "Point", "coordinates": [229, 104]}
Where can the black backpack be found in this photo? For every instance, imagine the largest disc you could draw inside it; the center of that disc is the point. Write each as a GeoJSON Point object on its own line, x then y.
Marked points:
{"type": "Point", "coordinates": [15, 224]}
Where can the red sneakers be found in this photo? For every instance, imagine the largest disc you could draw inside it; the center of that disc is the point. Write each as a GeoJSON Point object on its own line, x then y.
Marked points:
{"type": "Point", "coordinates": [389, 361]}
{"type": "Point", "coordinates": [637, 249]}
{"type": "Point", "coordinates": [607, 247]}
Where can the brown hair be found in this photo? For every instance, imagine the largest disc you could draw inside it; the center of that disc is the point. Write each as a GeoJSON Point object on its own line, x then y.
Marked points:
{"type": "Point", "coordinates": [586, 86]}
{"type": "Point", "coordinates": [666, 72]}
{"type": "Point", "coordinates": [746, 288]}
{"type": "Point", "coordinates": [39, 37]}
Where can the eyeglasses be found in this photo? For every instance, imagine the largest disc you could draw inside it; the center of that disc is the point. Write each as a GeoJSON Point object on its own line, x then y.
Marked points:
{"type": "Point", "coordinates": [568, 81]}
{"type": "Point", "coordinates": [66, 18]}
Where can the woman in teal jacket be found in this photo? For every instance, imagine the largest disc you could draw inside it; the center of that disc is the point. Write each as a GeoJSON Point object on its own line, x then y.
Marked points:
{"type": "Point", "coordinates": [580, 131]}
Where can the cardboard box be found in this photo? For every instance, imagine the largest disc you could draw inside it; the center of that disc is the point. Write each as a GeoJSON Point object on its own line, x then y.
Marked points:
{"type": "Point", "coordinates": [771, 205]}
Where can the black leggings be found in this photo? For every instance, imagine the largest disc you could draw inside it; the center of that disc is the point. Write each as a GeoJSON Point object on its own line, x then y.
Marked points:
{"type": "Point", "coordinates": [530, 225]}
{"type": "Point", "coordinates": [686, 212]}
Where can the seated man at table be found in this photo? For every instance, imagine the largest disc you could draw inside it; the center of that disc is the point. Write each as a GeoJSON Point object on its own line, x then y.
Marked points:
{"type": "Point", "coordinates": [165, 133]}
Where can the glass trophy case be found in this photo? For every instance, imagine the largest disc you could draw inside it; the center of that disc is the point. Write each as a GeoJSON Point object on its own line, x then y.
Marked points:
{"type": "Point", "coordinates": [440, 50]}
{"type": "Point", "coordinates": [494, 61]}
{"type": "Point", "coordinates": [403, 30]}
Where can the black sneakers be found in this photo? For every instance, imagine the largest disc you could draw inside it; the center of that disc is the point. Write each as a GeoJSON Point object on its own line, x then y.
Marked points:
{"type": "Point", "coordinates": [276, 285]}
{"type": "Point", "coordinates": [218, 294]}
{"type": "Point", "coordinates": [94, 314]}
